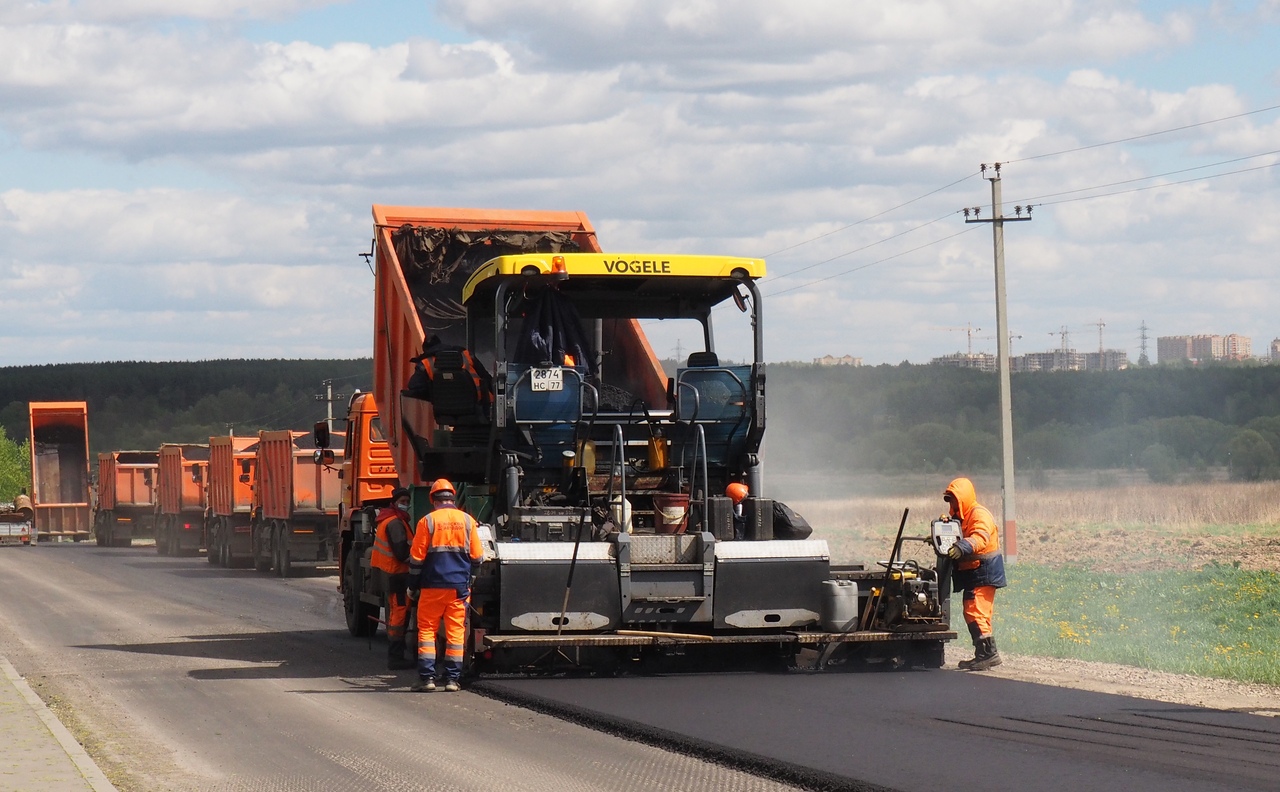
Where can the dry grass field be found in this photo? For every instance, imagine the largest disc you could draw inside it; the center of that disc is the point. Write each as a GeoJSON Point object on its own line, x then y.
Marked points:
{"type": "Point", "coordinates": [1117, 529]}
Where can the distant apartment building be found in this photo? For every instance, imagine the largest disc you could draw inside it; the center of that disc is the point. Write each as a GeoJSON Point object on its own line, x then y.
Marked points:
{"type": "Point", "coordinates": [1107, 360]}
{"type": "Point", "coordinates": [1237, 347]}
{"type": "Point", "coordinates": [1275, 349]}
{"type": "Point", "coordinates": [1057, 360]}
{"type": "Point", "coordinates": [983, 361]}
{"type": "Point", "coordinates": [1198, 348]}
{"type": "Point", "coordinates": [832, 360]}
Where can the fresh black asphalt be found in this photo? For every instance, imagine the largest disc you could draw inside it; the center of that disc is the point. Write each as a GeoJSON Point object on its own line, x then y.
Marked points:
{"type": "Point", "coordinates": [922, 731]}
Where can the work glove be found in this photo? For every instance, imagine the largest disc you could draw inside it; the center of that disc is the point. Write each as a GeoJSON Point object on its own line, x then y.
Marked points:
{"type": "Point", "coordinates": [413, 595]}
{"type": "Point", "coordinates": [960, 549]}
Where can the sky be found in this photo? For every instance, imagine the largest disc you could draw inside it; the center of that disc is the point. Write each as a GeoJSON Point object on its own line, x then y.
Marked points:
{"type": "Point", "coordinates": [197, 184]}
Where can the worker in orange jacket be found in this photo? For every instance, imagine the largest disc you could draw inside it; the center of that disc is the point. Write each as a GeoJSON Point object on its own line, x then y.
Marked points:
{"type": "Point", "coordinates": [443, 562]}
{"type": "Point", "coordinates": [979, 570]}
{"type": "Point", "coordinates": [392, 540]}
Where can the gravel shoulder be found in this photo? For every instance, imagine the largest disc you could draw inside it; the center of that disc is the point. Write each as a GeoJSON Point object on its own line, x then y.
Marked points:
{"type": "Point", "coordinates": [1124, 680]}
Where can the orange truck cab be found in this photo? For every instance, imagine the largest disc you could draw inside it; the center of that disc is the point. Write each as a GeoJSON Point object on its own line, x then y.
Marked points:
{"type": "Point", "coordinates": [233, 467]}
{"type": "Point", "coordinates": [299, 494]}
{"type": "Point", "coordinates": [368, 477]}
{"type": "Point", "coordinates": [60, 469]}
{"type": "Point", "coordinates": [127, 482]}
{"type": "Point", "coordinates": [183, 498]}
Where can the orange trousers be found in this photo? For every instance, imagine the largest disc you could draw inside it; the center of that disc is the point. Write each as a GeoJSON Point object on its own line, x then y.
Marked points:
{"type": "Point", "coordinates": [397, 615]}
{"type": "Point", "coordinates": [979, 605]}
{"type": "Point", "coordinates": [434, 604]}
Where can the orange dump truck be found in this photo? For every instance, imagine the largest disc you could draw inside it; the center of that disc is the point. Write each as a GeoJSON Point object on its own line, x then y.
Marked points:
{"type": "Point", "coordinates": [299, 497]}
{"type": "Point", "coordinates": [183, 498]}
{"type": "Point", "coordinates": [233, 467]}
{"type": "Point", "coordinates": [60, 469]}
{"type": "Point", "coordinates": [126, 496]}
{"type": "Point", "coordinates": [368, 479]}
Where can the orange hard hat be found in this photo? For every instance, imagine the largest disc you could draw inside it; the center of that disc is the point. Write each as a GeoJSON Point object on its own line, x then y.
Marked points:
{"type": "Point", "coordinates": [737, 492]}
{"type": "Point", "coordinates": [441, 488]}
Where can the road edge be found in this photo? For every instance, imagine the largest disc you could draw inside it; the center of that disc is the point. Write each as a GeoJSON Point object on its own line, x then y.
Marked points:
{"type": "Point", "coordinates": [93, 775]}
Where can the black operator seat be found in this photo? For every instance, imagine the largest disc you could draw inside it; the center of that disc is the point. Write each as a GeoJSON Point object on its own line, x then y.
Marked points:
{"type": "Point", "coordinates": [703, 360]}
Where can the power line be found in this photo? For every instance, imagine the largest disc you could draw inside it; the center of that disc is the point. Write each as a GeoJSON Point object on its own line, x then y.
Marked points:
{"type": "Point", "coordinates": [871, 217]}
{"type": "Point", "coordinates": [1144, 178]}
{"type": "Point", "coordinates": [864, 247]}
{"type": "Point", "coordinates": [871, 264]}
{"type": "Point", "coordinates": [1159, 186]}
{"type": "Point", "coordinates": [1142, 137]}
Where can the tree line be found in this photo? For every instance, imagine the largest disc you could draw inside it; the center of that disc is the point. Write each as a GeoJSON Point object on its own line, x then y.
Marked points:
{"type": "Point", "coordinates": [1171, 422]}
{"type": "Point", "coordinates": [136, 405]}
{"type": "Point", "coordinates": [1168, 421]}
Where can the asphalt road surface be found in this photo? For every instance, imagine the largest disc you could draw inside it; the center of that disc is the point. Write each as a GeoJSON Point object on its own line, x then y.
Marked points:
{"type": "Point", "coordinates": [180, 675]}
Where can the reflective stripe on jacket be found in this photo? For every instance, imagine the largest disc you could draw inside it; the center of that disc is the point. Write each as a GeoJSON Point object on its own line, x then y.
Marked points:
{"type": "Point", "coordinates": [446, 550]}
{"type": "Point", "coordinates": [391, 542]}
{"type": "Point", "coordinates": [985, 565]}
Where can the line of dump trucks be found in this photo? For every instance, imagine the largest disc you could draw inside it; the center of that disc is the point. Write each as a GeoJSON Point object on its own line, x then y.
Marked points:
{"type": "Point", "coordinates": [510, 357]}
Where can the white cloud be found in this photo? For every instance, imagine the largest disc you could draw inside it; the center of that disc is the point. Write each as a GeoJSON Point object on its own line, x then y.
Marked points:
{"type": "Point", "coordinates": [743, 127]}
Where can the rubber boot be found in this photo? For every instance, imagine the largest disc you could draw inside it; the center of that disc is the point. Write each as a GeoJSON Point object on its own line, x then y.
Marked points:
{"type": "Point", "coordinates": [396, 661]}
{"type": "Point", "coordinates": [975, 634]}
{"type": "Point", "coordinates": [987, 656]}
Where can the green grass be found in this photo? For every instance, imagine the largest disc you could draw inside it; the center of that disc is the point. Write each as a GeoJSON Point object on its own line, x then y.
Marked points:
{"type": "Point", "coordinates": [1219, 621]}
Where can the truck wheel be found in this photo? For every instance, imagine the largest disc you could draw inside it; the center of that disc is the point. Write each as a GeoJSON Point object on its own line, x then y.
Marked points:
{"type": "Point", "coordinates": [211, 553]}
{"type": "Point", "coordinates": [262, 557]}
{"type": "Point", "coordinates": [360, 615]}
{"type": "Point", "coordinates": [284, 565]}
{"type": "Point", "coordinates": [162, 538]}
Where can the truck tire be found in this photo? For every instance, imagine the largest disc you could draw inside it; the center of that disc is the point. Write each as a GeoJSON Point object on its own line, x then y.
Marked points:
{"type": "Point", "coordinates": [360, 615]}
{"type": "Point", "coordinates": [99, 536]}
{"type": "Point", "coordinates": [284, 564]}
{"type": "Point", "coordinates": [211, 555]}
{"type": "Point", "coordinates": [162, 538]}
{"type": "Point", "coordinates": [261, 559]}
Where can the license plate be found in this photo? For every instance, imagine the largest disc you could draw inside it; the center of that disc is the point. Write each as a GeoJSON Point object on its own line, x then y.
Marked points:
{"type": "Point", "coordinates": [547, 379]}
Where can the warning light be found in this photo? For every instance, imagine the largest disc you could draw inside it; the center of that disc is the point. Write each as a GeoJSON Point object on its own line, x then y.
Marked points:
{"type": "Point", "coordinates": [558, 267]}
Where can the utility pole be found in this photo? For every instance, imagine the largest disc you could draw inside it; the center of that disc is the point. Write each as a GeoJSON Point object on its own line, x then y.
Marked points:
{"type": "Point", "coordinates": [1102, 357]}
{"type": "Point", "coordinates": [997, 221]}
{"type": "Point", "coordinates": [1143, 360]}
{"type": "Point", "coordinates": [329, 397]}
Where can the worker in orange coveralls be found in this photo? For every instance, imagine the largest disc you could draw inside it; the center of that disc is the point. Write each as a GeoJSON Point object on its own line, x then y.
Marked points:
{"type": "Point", "coordinates": [443, 562]}
{"type": "Point", "coordinates": [391, 543]}
{"type": "Point", "coordinates": [979, 570]}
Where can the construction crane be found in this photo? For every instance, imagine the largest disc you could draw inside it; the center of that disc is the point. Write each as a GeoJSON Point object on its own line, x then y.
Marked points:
{"type": "Point", "coordinates": [968, 330]}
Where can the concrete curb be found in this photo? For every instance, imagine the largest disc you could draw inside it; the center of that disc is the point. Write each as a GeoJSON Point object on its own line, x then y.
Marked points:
{"type": "Point", "coordinates": [96, 779]}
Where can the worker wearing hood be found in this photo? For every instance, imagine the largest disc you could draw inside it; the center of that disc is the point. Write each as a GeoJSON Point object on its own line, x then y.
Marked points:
{"type": "Point", "coordinates": [979, 570]}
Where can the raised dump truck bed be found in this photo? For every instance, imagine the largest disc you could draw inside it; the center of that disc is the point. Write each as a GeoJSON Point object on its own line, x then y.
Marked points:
{"type": "Point", "coordinates": [60, 469]}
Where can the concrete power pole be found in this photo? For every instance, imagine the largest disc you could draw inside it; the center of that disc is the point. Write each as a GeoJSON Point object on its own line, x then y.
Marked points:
{"type": "Point", "coordinates": [1010, 533]}
{"type": "Point", "coordinates": [328, 397]}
